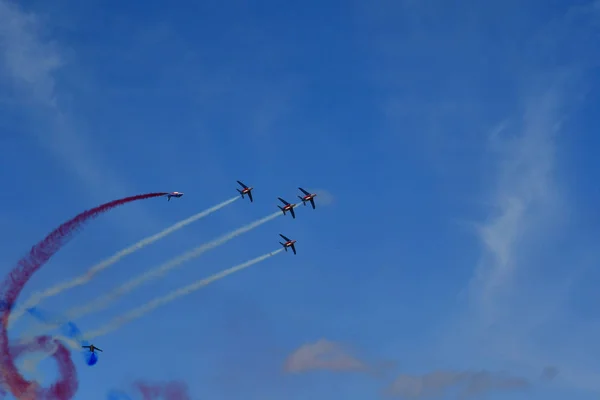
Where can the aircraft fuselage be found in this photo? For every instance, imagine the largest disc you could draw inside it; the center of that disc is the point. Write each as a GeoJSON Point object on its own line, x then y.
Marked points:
{"type": "Point", "coordinates": [173, 194]}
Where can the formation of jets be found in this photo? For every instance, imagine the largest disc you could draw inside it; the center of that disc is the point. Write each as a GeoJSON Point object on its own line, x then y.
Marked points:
{"type": "Point", "coordinates": [91, 347]}
{"type": "Point", "coordinates": [290, 206]}
{"type": "Point", "coordinates": [247, 190]}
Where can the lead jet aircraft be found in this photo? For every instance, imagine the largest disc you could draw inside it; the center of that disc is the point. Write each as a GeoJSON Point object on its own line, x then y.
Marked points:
{"type": "Point", "coordinates": [247, 190]}
{"type": "Point", "coordinates": [288, 243]}
{"type": "Point", "coordinates": [92, 348]}
{"type": "Point", "coordinates": [173, 194]}
{"type": "Point", "coordinates": [288, 207]}
{"type": "Point", "coordinates": [307, 197]}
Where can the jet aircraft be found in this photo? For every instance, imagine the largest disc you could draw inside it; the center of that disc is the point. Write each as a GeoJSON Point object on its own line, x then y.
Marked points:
{"type": "Point", "coordinates": [92, 348]}
{"type": "Point", "coordinates": [173, 194]}
{"type": "Point", "coordinates": [307, 197]}
{"type": "Point", "coordinates": [288, 243]}
{"type": "Point", "coordinates": [288, 207]}
{"type": "Point", "coordinates": [246, 190]}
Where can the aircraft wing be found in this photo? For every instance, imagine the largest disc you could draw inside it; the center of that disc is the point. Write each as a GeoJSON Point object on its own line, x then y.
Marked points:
{"type": "Point", "coordinates": [312, 203]}
{"type": "Point", "coordinates": [293, 248]}
{"type": "Point", "coordinates": [304, 191]}
{"type": "Point", "coordinates": [286, 239]}
{"type": "Point", "coordinates": [250, 196]}
{"type": "Point", "coordinates": [86, 347]}
{"type": "Point", "coordinates": [99, 349]}
{"type": "Point", "coordinates": [244, 186]}
{"type": "Point", "coordinates": [283, 201]}
{"type": "Point", "coordinates": [292, 212]}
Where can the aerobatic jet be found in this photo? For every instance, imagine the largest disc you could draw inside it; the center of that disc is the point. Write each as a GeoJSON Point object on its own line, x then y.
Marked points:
{"type": "Point", "coordinates": [288, 207]}
{"type": "Point", "coordinates": [307, 197]}
{"type": "Point", "coordinates": [173, 194]}
{"type": "Point", "coordinates": [246, 190]}
{"type": "Point", "coordinates": [91, 347]}
{"type": "Point", "coordinates": [288, 243]}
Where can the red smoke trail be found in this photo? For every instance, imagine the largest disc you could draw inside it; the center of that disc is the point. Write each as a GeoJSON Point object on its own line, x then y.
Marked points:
{"type": "Point", "coordinates": [168, 391]}
{"type": "Point", "coordinates": [10, 289]}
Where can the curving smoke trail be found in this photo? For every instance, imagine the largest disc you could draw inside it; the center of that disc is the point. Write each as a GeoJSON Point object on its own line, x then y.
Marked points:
{"type": "Point", "coordinates": [11, 287]}
{"type": "Point", "coordinates": [172, 391]}
{"type": "Point", "coordinates": [103, 301]}
{"type": "Point", "coordinates": [36, 298]}
{"type": "Point", "coordinates": [71, 334]}
{"type": "Point", "coordinates": [174, 295]}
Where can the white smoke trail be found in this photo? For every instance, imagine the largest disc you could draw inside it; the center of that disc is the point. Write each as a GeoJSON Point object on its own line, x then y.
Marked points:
{"type": "Point", "coordinates": [36, 298]}
{"type": "Point", "coordinates": [146, 308]}
{"type": "Point", "coordinates": [151, 305]}
{"type": "Point", "coordinates": [103, 301]}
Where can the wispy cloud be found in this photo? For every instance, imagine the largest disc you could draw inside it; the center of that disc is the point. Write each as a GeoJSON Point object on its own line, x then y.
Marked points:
{"type": "Point", "coordinates": [323, 355]}
{"type": "Point", "coordinates": [28, 59]}
{"type": "Point", "coordinates": [526, 193]}
{"type": "Point", "coordinates": [332, 356]}
{"type": "Point", "coordinates": [31, 62]}
{"type": "Point", "coordinates": [521, 288]}
{"type": "Point", "coordinates": [467, 383]}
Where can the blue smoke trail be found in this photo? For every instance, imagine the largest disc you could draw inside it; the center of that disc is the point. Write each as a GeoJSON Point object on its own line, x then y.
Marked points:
{"type": "Point", "coordinates": [68, 329]}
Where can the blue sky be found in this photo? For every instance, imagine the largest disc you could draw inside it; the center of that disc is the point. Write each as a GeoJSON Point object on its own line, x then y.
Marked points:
{"type": "Point", "coordinates": [453, 144]}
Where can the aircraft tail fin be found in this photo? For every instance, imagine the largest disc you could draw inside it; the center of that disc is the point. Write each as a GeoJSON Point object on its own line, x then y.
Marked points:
{"type": "Point", "coordinates": [281, 208]}
{"type": "Point", "coordinates": [240, 192]}
{"type": "Point", "coordinates": [285, 248]}
{"type": "Point", "coordinates": [303, 202]}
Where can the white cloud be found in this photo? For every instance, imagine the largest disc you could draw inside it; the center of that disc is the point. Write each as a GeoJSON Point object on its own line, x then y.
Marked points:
{"type": "Point", "coordinates": [322, 355]}
{"type": "Point", "coordinates": [521, 288]}
{"type": "Point", "coordinates": [526, 194]}
{"type": "Point", "coordinates": [31, 62]}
